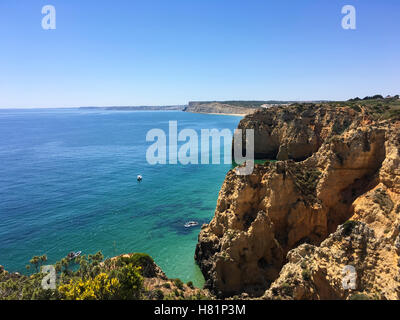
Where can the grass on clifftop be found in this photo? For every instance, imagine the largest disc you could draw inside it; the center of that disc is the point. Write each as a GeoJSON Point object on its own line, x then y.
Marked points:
{"type": "Point", "coordinates": [377, 107]}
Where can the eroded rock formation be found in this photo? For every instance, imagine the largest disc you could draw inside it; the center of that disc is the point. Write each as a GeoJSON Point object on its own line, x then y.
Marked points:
{"type": "Point", "coordinates": [277, 233]}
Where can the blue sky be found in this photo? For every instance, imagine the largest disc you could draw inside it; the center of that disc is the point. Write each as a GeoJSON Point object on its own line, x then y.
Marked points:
{"type": "Point", "coordinates": [158, 52]}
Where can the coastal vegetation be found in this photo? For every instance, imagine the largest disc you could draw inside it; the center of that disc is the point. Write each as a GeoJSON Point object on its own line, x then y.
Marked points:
{"type": "Point", "coordinates": [306, 180]}
{"type": "Point", "coordinates": [83, 278]}
{"type": "Point", "coordinates": [93, 278]}
{"type": "Point", "coordinates": [377, 107]}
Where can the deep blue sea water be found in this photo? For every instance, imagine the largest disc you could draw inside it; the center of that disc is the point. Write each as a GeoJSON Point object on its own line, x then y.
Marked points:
{"type": "Point", "coordinates": [68, 183]}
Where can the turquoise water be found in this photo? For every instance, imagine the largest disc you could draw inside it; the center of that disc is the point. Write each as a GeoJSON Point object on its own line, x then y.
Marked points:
{"type": "Point", "coordinates": [68, 183]}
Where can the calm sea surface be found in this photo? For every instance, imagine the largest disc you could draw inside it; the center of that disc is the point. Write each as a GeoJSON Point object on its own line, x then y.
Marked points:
{"type": "Point", "coordinates": [68, 183]}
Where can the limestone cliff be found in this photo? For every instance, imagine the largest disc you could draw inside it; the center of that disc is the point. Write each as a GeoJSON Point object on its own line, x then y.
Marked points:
{"type": "Point", "coordinates": [278, 232]}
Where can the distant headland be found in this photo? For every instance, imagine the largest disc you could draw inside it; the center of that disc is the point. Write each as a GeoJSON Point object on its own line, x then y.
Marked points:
{"type": "Point", "coordinates": [234, 107]}
{"type": "Point", "coordinates": [139, 108]}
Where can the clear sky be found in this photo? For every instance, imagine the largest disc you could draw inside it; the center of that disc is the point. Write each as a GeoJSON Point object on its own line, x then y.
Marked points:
{"type": "Point", "coordinates": [159, 52]}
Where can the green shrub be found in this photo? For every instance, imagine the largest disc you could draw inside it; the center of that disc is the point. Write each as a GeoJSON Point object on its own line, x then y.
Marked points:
{"type": "Point", "coordinates": [393, 114]}
{"type": "Point", "coordinates": [348, 227]}
{"type": "Point", "coordinates": [137, 259]}
{"type": "Point", "coordinates": [355, 108]}
{"type": "Point", "coordinates": [167, 285]}
{"type": "Point", "coordinates": [306, 274]}
{"type": "Point", "coordinates": [199, 296]}
{"type": "Point", "coordinates": [158, 294]}
{"type": "Point", "coordinates": [383, 199]}
{"type": "Point", "coordinates": [142, 260]}
{"type": "Point", "coordinates": [178, 283]}
{"type": "Point", "coordinates": [190, 285]}
{"type": "Point", "coordinates": [131, 282]}
{"type": "Point", "coordinates": [306, 181]}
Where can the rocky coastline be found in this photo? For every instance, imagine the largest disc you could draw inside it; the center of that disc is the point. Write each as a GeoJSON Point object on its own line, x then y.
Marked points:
{"type": "Point", "coordinates": [331, 200]}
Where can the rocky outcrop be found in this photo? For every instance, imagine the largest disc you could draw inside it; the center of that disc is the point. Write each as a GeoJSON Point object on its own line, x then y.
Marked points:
{"type": "Point", "coordinates": [295, 132]}
{"type": "Point", "coordinates": [149, 269]}
{"type": "Point", "coordinates": [277, 231]}
{"type": "Point", "coordinates": [157, 286]}
{"type": "Point", "coordinates": [318, 272]}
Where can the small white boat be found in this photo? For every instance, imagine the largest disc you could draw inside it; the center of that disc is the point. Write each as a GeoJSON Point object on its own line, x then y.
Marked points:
{"type": "Point", "coordinates": [190, 224]}
{"type": "Point", "coordinates": [139, 178]}
{"type": "Point", "coordinates": [73, 255]}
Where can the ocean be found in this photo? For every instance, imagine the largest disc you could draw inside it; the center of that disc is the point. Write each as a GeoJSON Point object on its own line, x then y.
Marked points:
{"type": "Point", "coordinates": [68, 183]}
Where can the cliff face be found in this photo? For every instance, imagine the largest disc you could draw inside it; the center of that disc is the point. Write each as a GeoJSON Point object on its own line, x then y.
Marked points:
{"type": "Point", "coordinates": [277, 233]}
{"type": "Point", "coordinates": [295, 132]}
{"type": "Point", "coordinates": [218, 107]}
